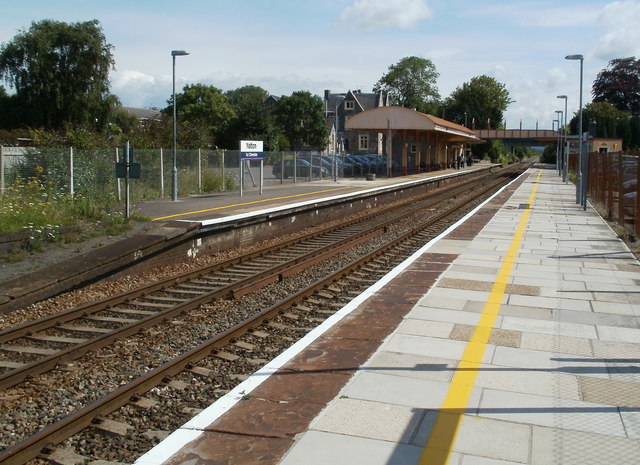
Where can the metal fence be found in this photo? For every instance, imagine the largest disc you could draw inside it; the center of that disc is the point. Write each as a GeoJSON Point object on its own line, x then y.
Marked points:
{"type": "Point", "coordinates": [91, 172]}
{"type": "Point", "coordinates": [613, 187]}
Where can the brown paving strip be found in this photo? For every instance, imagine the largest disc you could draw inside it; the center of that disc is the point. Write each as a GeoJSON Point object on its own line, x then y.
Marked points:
{"type": "Point", "coordinates": [260, 429]}
{"type": "Point", "coordinates": [499, 337]}
{"type": "Point", "coordinates": [628, 267]}
{"type": "Point", "coordinates": [609, 391]}
{"type": "Point", "coordinates": [485, 286]}
{"type": "Point", "coordinates": [283, 409]}
{"type": "Point", "coordinates": [231, 449]}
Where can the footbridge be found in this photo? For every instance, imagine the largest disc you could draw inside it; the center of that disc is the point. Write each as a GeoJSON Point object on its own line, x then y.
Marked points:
{"type": "Point", "coordinates": [519, 136]}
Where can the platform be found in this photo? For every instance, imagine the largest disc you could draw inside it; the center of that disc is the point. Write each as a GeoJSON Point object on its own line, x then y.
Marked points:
{"type": "Point", "coordinates": [513, 338]}
{"type": "Point", "coordinates": [208, 207]}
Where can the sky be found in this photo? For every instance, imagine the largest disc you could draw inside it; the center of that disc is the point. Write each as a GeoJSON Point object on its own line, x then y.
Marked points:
{"type": "Point", "coordinates": [285, 46]}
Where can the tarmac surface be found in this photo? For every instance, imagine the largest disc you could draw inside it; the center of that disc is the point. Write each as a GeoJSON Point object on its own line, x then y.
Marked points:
{"type": "Point", "coordinates": [274, 194]}
{"type": "Point", "coordinates": [513, 338]}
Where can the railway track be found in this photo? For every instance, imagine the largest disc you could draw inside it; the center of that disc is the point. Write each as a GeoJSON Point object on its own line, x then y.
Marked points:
{"type": "Point", "coordinates": [38, 346]}
{"type": "Point", "coordinates": [234, 279]}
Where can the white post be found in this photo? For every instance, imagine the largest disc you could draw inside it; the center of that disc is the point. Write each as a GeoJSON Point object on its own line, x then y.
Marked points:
{"type": "Point", "coordinates": [199, 171]}
{"type": "Point", "coordinates": [161, 174]}
{"type": "Point", "coordinates": [241, 174]}
{"type": "Point", "coordinates": [71, 171]}
{"type": "Point", "coordinates": [224, 185]}
{"type": "Point", "coordinates": [1, 169]}
{"type": "Point", "coordinates": [126, 181]}
{"type": "Point", "coordinates": [118, 186]}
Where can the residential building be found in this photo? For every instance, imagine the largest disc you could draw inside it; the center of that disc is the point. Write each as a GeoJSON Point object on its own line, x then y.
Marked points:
{"type": "Point", "coordinates": [339, 107]}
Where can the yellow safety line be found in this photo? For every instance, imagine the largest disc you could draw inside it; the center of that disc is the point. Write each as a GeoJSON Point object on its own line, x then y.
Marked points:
{"type": "Point", "coordinates": [447, 425]}
{"type": "Point", "coordinates": [251, 203]}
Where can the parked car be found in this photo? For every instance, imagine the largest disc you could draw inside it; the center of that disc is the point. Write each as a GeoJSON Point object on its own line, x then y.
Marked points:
{"type": "Point", "coordinates": [302, 169]}
{"type": "Point", "coordinates": [361, 164]}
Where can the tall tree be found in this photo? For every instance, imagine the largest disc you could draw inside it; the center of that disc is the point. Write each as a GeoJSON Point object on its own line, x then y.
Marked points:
{"type": "Point", "coordinates": [60, 74]}
{"type": "Point", "coordinates": [610, 122]}
{"type": "Point", "coordinates": [252, 119]}
{"type": "Point", "coordinates": [301, 118]}
{"type": "Point", "coordinates": [203, 112]}
{"type": "Point", "coordinates": [480, 103]}
{"type": "Point", "coordinates": [619, 85]}
{"type": "Point", "coordinates": [411, 83]}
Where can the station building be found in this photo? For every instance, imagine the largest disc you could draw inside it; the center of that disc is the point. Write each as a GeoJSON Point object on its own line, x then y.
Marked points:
{"type": "Point", "coordinates": [411, 140]}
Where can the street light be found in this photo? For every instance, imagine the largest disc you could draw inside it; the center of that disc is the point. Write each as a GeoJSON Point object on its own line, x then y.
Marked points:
{"type": "Point", "coordinates": [174, 189]}
{"type": "Point", "coordinates": [559, 141]}
{"type": "Point", "coordinates": [581, 188]}
{"type": "Point", "coordinates": [564, 141]}
{"type": "Point", "coordinates": [335, 140]}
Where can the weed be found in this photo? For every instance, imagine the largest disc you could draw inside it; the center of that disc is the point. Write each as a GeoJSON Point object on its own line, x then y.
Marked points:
{"type": "Point", "coordinates": [14, 256]}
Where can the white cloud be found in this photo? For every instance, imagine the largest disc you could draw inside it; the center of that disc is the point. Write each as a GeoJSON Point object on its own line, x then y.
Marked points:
{"type": "Point", "coordinates": [556, 78]}
{"type": "Point", "coordinates": [622, 38]}
{"type": "Point", "coordinates": [561, 17]}
{"type": "Point", "coordinates": [371, 15]}
{"type": "Point", "coordinates": [536, 14]}
{"type": "Point", "coordinates": [136, 89]}
{"type": "Point", "coordinates": [499, 73]}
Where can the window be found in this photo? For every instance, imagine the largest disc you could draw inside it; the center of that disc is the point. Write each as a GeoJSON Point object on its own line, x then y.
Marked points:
{"type": "Point", "coordinates": [349, 105]}
{"type": "Point", "coordinates": [364, 142]}
{"type": "Point", "coordinates": [414, 148]}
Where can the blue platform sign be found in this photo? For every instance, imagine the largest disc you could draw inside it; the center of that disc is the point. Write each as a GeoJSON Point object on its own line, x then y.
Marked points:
{"type": "Point", "coordinates": [251, 150]}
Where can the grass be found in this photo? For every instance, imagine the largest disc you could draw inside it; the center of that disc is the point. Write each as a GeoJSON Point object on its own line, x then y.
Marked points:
{"type": "Point", "coordinates": [42, 214]}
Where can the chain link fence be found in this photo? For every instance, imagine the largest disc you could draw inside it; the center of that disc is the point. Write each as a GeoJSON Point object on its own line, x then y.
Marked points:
{"type": "Point", "coordinates": [93, 172]}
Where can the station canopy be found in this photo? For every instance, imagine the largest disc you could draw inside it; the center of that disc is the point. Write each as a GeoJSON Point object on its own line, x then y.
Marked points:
{"type": "Point", "coordinates": [395, 118]}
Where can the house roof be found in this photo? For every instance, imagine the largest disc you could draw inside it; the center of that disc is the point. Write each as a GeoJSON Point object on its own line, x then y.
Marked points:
{"type": "Point", "coordinates": [363, 100]}
{"type": "Point", "coordinates": [400, 118]}
{"type": "Point", "coordinates": [366, 100]}
{"type": "Point", "coordinates": [142, 113]}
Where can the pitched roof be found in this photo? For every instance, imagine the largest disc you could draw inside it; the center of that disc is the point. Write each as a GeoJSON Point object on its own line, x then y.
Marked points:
{"type": "Point", "coordinates": [142, 113]}
{"type": "Point", "coordinates": [396, 118]}
{"type": "Point", "coordinates": [363, 100]}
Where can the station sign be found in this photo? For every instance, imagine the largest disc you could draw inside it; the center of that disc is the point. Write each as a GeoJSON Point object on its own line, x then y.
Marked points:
{"type": "Point", "coordinates": [131, 170]}
{"type": "Point", "coordinates": [251, 150]}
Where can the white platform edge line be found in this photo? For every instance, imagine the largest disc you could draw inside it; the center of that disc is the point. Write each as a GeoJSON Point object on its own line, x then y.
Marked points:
{"type": "Point", "coordinates": [192, 429]}
{"type": "Point", "coordinates": [227, 219]}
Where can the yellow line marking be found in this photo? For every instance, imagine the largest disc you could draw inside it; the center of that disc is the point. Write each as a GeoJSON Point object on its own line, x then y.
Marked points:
{"type": "Point", "coordinates": [251, 203]}
{"type": "Point", "coordinates": [443, 436]}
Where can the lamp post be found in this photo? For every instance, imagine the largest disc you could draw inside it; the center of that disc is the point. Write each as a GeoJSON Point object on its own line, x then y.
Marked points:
{"type": "Point", "coordinates": [335, 140]}
{"type": "Point", "coordinates": [559, 147]}
{"type": "Point", "coordinates": [564, 141]}
{"type": "Point", "coordinates": [581, 188]}
{"type": "Point", "coordinates": [174, 189]}
{"type": "Point", "coordinates": [552, 127]}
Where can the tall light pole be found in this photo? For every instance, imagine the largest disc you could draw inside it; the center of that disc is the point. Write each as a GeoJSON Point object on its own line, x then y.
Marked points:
{"type": "Point", "coordinates": [564, 141]}
{"type": "Point", "coordinates": [559, 147]}
{"type": "Point", "coordinates": [552, 126]}
{"type": "Point", "coordinates": [335, 141]}
{"type": "Point", "coordinates": [581, 188]}
{"type": "Point", "coordinates": [174, 188]}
